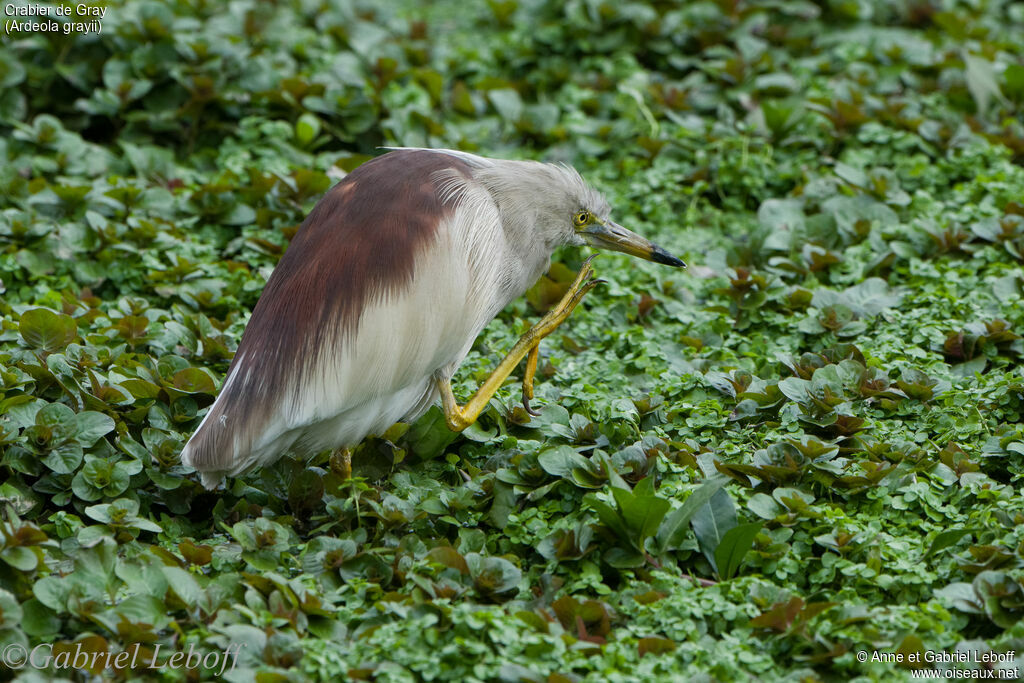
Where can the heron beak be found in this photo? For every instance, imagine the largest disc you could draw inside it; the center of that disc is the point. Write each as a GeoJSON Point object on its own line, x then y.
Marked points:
{"type": "Point", "coordinates": [609, 235]}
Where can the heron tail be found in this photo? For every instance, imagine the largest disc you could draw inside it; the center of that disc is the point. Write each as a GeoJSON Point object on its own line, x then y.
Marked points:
{"type": "Point", "coordinates": [210, 451]}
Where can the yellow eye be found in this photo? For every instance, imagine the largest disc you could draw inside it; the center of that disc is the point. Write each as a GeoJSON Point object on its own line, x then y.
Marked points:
{"type": "Point", "coordinates": [582, 218]}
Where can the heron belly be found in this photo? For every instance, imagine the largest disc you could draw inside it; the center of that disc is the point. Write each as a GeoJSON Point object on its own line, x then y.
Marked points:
{"type": "Point", "coordinates": [373, 417]}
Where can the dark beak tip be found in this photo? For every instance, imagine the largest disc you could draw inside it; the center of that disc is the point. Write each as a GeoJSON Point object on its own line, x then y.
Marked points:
{"type": "Point", "coordinates": [663, 257]}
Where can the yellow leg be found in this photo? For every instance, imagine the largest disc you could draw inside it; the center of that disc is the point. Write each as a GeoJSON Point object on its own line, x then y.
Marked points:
{"type": "Point", "coordinates": [341, 463]}
{"type": "Point", "coordinates": [460, 417]}
{"type": "Point", "coordinates": [531, 370]}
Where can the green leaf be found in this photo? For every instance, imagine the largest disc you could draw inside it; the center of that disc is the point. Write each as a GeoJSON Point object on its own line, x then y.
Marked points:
{"type": "Point", "coordinates": [47, 331]}
{"type": "Point", "coordinates": [624, 558]}
{"type": "Point", "coordinates": [784, 222]}
{"type": "Point", "coordinates": [795, 389]}
{"type": "Point", "coordinates": [21, 558]}
{"type": "Point", "coordinates": [475, 432]}
{"type": "Point", "coordinates": [869, 298]}
{"type": "Point", "coordinates": [507, 103]}
{"type": "Point", "coordinates": [504, 504]}
{"type": "Point", "coordinates": [183, 584]}
{"type": "Point", "coordinates": [712, 521]}
{"type": "Point", "coordinates": [307, 128]}
{"type": "Point", "coordinates": [53, 592]}
{"type": "Point", "coordinates": [946, 539]}
{"type": "Point", "coordinates": [854, 176]}
{"type": "Point", "coordinates": [93, 479]}
{"type": "Point", "coordinates": [10, 611]}
{"type": "Point", "coordinates": [655, 645]}
{"type": "Point", "coordinates": [560, 461]}
{"type": "Point", "coordinates": [19, 496]}
{"type": "Point", "coordinates": [493, 575]}
{"type": "Point", "coordinates": [644, 487]}
{"type": "Point", "coordinates": [854, 215]}
{"type": "Point", "coordinates": [962, 597]}
{"type": "Point", "coordinates": [136, 609]}
{"type": "Point", "coordinates": [101, 513]}
{"type": "Point", "coordinates": [60, 419]}
{"type": "Point", "coordinates": [734, 546]}
{"type": "Point", "coordinates": [608, 516]}
{"type": "Point", "coordinates": [764, 506]}
{"type": "Point", "coordinates": [144, 524]}
{"type": "Point", "coordinates": [11, 70]}
{"type": "Point", "coordinates": [140, 388]}
{"type": "Point", "coordinates": [38, 619]}
{"type": "Point", "coordinates": [64, 459]}
{"type": "Point", "coordinates": [91, 427]}
{"type": "Point", "coordinates": [96, 565]}
{"type": "Point", "coordinates": [642, 514]}
{"type": "Point", "coordinates": [675, 525]}
{"type": "Point", "coordinates": [93, 535]}
{"type": "Point", "coordinates": [614, 478]}
{"type": "Point", "coordinates": [429, 436]}
{"type": "Point", "coordinates": [305, 491]}
{"type": "Point", "coordinates": [193, 381]}
{"type": "Point", "coordinates": [1013, 78]}
{"type": "Point", "coordinates": [981, 82]}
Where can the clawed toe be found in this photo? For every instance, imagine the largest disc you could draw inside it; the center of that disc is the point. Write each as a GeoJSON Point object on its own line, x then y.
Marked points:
{"type": "Point", "coordinates": [528, 409]}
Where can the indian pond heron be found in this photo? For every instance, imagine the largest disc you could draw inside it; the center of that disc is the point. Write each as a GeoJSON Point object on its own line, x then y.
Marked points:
{"type": "Point", "coordinates": [381, 294]}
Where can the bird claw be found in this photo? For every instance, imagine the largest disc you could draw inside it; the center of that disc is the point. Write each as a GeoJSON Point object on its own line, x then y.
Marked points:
{"type": "Point", "coordinates": [528, 409]}
{"type": "Point", "coordinates": [588, 285]}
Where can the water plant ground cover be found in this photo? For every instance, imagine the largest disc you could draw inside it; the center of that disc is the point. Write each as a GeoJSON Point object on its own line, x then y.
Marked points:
{"type": "Point", "coordinates": [800, 459]}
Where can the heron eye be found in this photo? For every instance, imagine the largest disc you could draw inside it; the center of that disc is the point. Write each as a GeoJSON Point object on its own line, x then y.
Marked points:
{"type": "Point", "coordinates": [582, 218]}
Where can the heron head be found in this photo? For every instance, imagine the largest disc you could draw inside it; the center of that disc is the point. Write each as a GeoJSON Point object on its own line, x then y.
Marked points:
{"type": "Point", "coordinates": [555, 206]}
{"type": "Point", "coordinates": [586, 220]}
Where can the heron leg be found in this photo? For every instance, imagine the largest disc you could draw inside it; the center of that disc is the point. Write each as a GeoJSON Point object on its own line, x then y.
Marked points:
{"type": "Point", "coordinates": [459, 417]}
{"type": "Point", "coordinates": [341, 463]}
{"type": "Point", "coordinates": [528, 373]}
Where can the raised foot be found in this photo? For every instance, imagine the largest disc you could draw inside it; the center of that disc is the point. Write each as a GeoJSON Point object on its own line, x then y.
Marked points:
{"type": "Point", "coordinates": [459, 417]}
{"type": "Point", "coordinates": [584, 282]}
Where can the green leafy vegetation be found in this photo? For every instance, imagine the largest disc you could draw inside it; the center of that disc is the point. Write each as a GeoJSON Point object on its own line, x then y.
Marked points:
{"type": "Point", "coordinates": [806, 446]}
